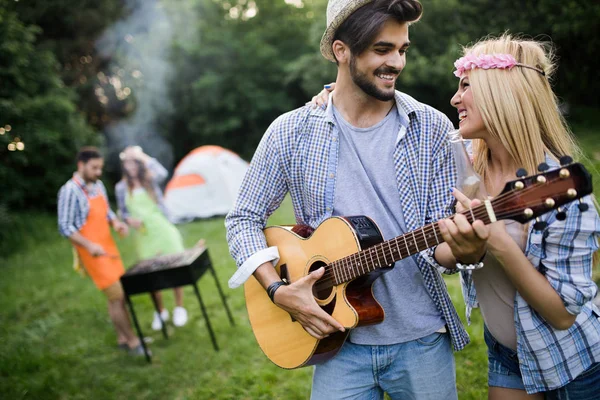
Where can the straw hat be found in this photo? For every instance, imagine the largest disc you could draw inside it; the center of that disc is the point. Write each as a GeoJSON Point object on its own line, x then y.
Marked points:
{"type": "Point", "coordinates": [337, 12]}
{"type": "Point", "coordinates": [131, 152]}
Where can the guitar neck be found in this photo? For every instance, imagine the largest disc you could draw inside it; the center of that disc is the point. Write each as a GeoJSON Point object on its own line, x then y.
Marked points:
{"type": "Point", "coordinates": [388, 252]}
{"type": "Point", "coordinates": [520, 200]}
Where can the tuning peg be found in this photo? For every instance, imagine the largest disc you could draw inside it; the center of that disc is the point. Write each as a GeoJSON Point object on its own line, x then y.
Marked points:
{"type": "Point", "coordinates": [583, 206]}
{"type": "Point", "coordinates": [540, 225]}
{"type": "Point", "coordinates": [561, 215]}
{"type": "Point", "coordinates": [543, 167]}
{"type": "Point", "coordinates": [565, 160]}
{"type": "Point", "coordinates": [521, 172]}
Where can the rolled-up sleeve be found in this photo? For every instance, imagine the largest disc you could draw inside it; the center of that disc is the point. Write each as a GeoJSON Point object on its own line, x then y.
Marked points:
{"type": "Point", "coordinates": [262, 191]}
{"type": "Point", "coordinates": [67, 206]}
{"type": "Point", "coordinates": [567, 257]}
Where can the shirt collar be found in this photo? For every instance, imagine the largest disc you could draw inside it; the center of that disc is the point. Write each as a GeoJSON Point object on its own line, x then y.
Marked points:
{"type": "Point", "coordinates": [88, 187]}
{"type": "Point", "coordinates": [404, 107]}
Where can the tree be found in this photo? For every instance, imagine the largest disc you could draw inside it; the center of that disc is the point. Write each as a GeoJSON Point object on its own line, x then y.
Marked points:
{"type": "Point", "coordinates": [232, 78]}
{"type": "Point", "coordinates": [69, 29]}
{"type": "Point", "coordinates": [41, 129]}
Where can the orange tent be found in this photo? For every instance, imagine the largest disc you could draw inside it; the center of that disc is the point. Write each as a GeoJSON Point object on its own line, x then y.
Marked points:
{"type": "Point", "coordinates": [204, 184]}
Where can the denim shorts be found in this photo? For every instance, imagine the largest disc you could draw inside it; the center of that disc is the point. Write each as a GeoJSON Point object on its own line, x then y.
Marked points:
{"type": "Point", "coordinates": [503, 371]}
{"type": "Point", "coordinates": [503, 364]}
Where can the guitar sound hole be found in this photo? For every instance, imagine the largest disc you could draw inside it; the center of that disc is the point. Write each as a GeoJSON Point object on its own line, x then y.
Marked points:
{"type": "Point", "coordinates": [322, 288]}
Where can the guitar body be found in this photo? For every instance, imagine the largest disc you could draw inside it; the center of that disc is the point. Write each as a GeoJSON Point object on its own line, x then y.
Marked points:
{"type": "Point", "coordinates": [283, 340]}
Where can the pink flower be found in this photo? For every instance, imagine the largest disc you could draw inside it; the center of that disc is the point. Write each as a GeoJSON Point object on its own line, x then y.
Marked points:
{"type": "Point", "coordinates": [483, 61]}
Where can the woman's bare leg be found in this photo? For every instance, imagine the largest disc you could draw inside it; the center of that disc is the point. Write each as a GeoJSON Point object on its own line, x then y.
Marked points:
{"type": "Point", "coordinates": [499, 393]}
{"type": "Point", "coordinates": [158, 297]}
{"type": "Point", "coordinates": [178, 296]}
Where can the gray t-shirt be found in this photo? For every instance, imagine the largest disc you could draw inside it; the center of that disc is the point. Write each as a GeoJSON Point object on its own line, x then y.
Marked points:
{"type": "Point", "coordinates": [366, 185]}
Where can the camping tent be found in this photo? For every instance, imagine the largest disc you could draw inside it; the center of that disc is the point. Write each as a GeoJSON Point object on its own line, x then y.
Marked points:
{"type": "Point", "coordinates": [205, 183]}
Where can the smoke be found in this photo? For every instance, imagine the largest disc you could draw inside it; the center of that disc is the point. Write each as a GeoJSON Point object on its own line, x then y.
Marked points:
{"type": "Point", "coordinates": [135, 82]}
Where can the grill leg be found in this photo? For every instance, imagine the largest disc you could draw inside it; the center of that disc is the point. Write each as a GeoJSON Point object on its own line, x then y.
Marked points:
{"type": "Point", "coordinates": [210, 331]}
{"type": "Point", "coordinates": [212, 270]}
{"type": "Point", "coordinates": [163, 326]}
{"type": "Point", "coordinates": [137, 328]}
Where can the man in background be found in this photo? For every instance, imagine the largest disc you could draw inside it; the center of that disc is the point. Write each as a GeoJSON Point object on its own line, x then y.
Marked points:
{"type": "Point", "coordinates": [84, 217]}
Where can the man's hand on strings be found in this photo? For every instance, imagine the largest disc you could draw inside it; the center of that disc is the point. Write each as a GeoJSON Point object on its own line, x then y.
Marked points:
{"type": "Point", "coordinates": [298, 300]}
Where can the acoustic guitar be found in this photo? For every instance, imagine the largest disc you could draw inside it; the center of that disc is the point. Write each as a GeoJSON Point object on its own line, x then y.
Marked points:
{"type": "Point", "coordinates": [354, 254]}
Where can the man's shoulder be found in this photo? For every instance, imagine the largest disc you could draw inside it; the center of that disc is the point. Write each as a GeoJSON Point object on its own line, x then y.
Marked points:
{"type": "Point", "coordinates": [296, 118]}
{"type": "Point", "coordinates": [294, 123]}
{"type": "Point", "coordinates": [410, 105]}
{"type": "Point", "coordinates": [68, 186]}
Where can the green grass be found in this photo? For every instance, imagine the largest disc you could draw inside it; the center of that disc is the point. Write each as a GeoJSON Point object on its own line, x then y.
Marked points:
{"type": "Point", "coordinates": [56, 341]}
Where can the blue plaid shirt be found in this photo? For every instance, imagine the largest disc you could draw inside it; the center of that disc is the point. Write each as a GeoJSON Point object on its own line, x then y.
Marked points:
{"type": "Point", "coordinates": [551, 358]}
{"type": "Point", "coordinates": [74, 207]}
{"type": "Point", "coordinates": [298, 155]}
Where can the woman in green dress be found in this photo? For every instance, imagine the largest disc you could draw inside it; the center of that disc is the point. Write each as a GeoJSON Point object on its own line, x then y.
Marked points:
{"type": "Point", "coordinates": [140, 202]}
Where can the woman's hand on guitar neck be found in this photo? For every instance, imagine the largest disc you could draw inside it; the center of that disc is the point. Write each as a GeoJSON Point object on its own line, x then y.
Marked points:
{"type": "Point", "coordinates": [298, 300]}
{"type": "Point", "coordinates": [466, 241]}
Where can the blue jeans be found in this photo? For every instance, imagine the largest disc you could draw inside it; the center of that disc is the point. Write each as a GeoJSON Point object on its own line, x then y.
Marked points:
{"type": "Point", "coordinates": [421, 369]}
{"type": "Point", "coordinates": [585, 387]}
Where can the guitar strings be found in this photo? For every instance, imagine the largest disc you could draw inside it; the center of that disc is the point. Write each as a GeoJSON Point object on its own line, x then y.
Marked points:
{"type": "Point", "coordinates": [328, 279]}
{"type": "Point", "coordinates": [381, 251]}
{"type": "Point", "coordinates": [351, 259]}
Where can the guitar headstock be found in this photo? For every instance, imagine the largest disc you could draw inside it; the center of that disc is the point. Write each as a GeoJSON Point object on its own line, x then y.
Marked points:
{"type": "Point", "coordinates": [531, 196]}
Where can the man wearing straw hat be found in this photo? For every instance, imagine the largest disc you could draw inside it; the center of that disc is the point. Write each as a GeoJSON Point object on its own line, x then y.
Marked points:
{"type": "Point", "coordinates": [373, 151]}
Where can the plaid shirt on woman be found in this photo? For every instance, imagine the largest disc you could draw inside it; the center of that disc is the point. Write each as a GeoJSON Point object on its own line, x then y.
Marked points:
{"type": "Point", "coordinates": [551, 358]}
{"type": "Point", "coordinates": [298, 154]}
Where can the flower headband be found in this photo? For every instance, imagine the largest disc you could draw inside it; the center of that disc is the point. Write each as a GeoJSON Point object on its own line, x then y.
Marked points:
{"type": "Point", "coordinates": [489, 61]}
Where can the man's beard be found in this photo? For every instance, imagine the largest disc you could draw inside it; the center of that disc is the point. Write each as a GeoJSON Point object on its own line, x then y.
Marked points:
{"type": "Point", "coordinates": [90, 179]}
{"type": "Point", "coordinates": [368, 86]}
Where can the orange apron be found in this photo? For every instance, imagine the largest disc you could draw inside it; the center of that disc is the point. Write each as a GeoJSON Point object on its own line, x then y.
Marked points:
{"type": "Point", "coordinates": [104, 270]}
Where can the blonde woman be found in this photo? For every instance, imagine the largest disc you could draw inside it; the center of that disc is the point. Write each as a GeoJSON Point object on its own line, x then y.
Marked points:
{"type": "Point", "coordinates": [535, 289]}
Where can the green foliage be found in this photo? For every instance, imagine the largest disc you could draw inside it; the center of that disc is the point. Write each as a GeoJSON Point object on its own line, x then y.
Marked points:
{"type": "Point", "coordinates": [41, 129]}
{"type": "Point", "coordinates": [232, 73]}
{"type": "Point", "coordinates": [234, 67]}
{"type": "Point", "coordinates": [446, 25]}
{"type": "Point", "coordinates": [235, 75]}
{"type": "Point", "coordinates": [68, 29]}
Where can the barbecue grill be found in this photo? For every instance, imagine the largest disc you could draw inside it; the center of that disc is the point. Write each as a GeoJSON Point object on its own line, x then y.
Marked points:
{"type": "Point", "coordinates": [170, 271]}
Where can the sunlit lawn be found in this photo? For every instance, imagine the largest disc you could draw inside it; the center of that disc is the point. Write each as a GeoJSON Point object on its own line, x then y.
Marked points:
{"type": "Point", "coordinates": [56, 341]}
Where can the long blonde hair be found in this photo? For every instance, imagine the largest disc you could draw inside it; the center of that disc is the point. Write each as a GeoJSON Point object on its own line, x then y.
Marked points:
{"type": "Point", "coordinates": [518, 106]}
{"type": "Point", "coordinates": [143, 175]}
